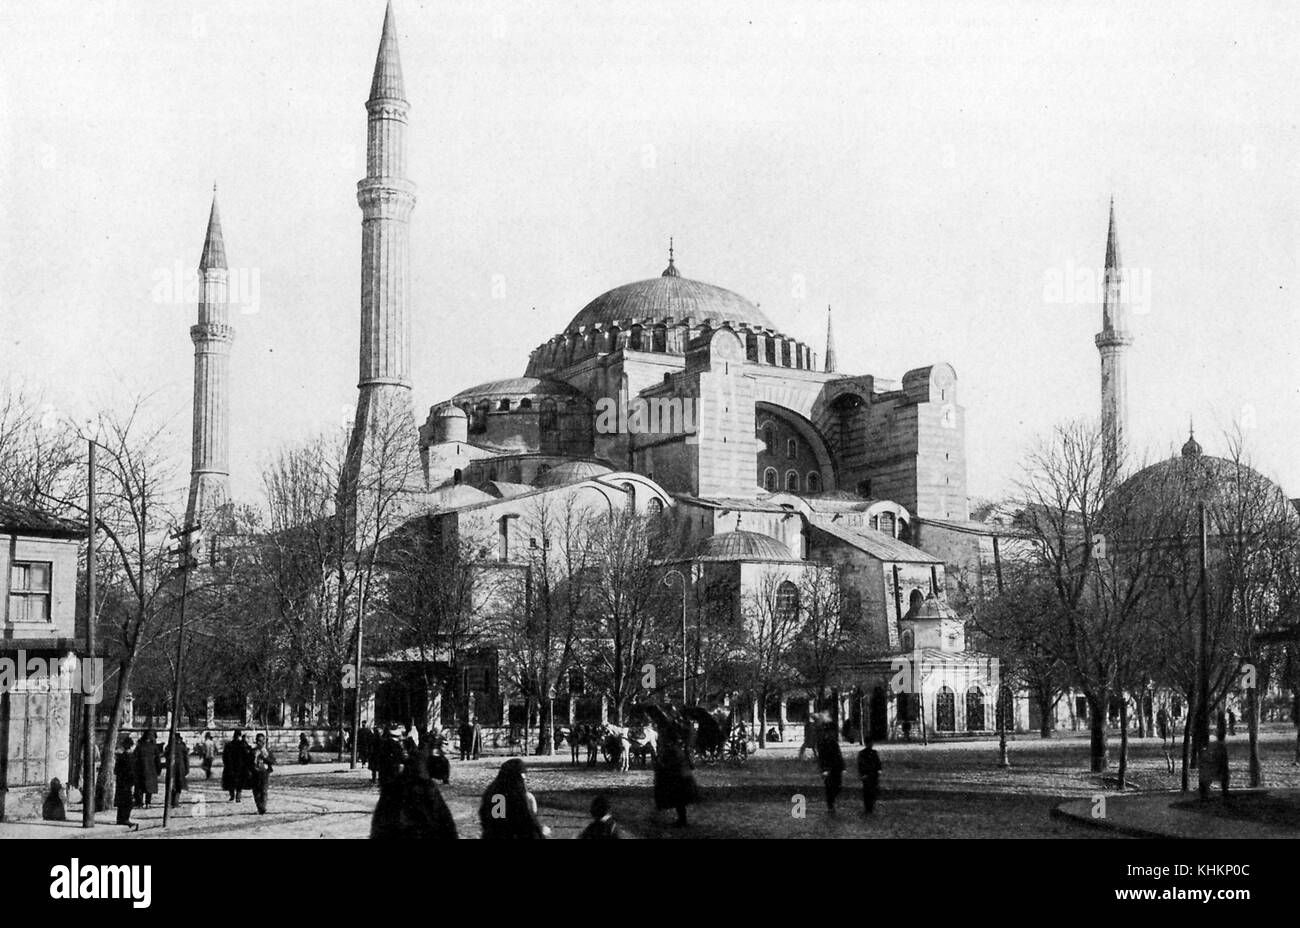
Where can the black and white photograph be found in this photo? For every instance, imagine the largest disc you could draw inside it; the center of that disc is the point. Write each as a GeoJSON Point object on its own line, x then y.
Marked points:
{"type": "Point", "coordinates": [676, 421]}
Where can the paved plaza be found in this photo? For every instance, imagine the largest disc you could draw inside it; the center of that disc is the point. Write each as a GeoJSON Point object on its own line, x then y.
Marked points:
{"type": "Point", "coordinates": [944, 790]}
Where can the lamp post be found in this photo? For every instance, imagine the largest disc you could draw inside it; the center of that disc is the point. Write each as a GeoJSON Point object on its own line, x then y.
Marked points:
{"type": "Point", "coordinates": [89, 799]}
{"type": "Point", "coordinates": [682, 578]}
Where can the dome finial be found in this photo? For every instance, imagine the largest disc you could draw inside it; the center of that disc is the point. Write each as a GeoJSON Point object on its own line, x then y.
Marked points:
{"type": "Point", "coordinates": [1192, 448]}
{"type": "Point", "coordinates": [738, 518]}
{"type": "Point", "coordinates": [671, 269]}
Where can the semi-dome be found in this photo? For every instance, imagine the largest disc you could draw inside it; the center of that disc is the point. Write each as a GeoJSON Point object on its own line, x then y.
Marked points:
{"type": "Point", "coordinates": [666, 297]}
{"type": "Point", "coordinates": [572, 472]}
{"type": "Point", "coordinates": [744, 546]}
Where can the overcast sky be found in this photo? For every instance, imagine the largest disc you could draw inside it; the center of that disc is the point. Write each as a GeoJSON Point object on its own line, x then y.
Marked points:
{"type": "Point", "coordinates": [939, 173]}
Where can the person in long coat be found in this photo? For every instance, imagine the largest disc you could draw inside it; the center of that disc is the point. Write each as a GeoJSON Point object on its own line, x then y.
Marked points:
{"type": "Point", "coordinates": [178, 768]}
{"type": "Point", "coordinates": [508, 809]}
{"type": "Point", "coordinates": [146, 768]}
{"type": "Point", "coordinates": [675, 786]}
{"type": "Point", "coordinates": [234, 766]}
{"type": "Point", "coordinates": [410, 805]}
{"type": "Point", "coordinates": [124, 782]}
{"type": "Point", "coordinates": [364, 740]}
{"type": "Point", "coordinates": [831, 760]}
{"type": "Point", "coordinates": [262, 762]}
{"type": "Point", "coordinates": [54, 808]}
{"type": "Point", "coordinates": [209, 754]}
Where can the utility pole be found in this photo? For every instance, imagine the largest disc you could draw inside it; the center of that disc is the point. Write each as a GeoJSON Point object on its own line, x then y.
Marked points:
{"type": "Point", "coordinates": [90, 801]}
{"type": "Point", "coordinates": [1203, 668]}
{"type": "Point", "coordinates": [682, 577]}
{"type": "Point", "coordinates": [190, 538]}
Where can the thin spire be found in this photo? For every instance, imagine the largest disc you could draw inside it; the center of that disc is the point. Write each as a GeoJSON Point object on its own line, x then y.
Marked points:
{"type": "Point", "coordinates": [1192, 447]}
{"type": "Point", "coordinates": [214, 249]}
{"type": "Point", "coordinates": [671, 269]}
{"type": "Point", "coordinates": [830, 343]}
{"type": "Point", "coordinates": [1112, 240]}
{"type": "Point", "coordinates": [387, 83]}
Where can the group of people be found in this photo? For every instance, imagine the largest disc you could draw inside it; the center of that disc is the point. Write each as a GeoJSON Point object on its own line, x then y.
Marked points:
{"type": "Point", "coordinates": [247, 766]}
{"type": "Point", "coordinates": [137, 768]}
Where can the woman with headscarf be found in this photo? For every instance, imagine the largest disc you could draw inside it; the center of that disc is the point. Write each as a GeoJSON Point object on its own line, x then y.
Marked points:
{"type": "Point", "coordinates": [508, 809]}
{"type": "Point", "coordinates": [124, 782]}
{"type": "Point", "coordinates": [234, 766]}
{"type": "Point", "coordinates": [54, 808]}
{"type": "Point", "coordinates": [146, 768]}
{"type": "Point", "coordinates": [411, 806]}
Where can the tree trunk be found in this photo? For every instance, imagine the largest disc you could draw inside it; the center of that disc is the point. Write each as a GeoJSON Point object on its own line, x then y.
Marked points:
{"type": "Point", "coordinates": [546, 724]}
{"type": "Point", "coordinates": [1098, 761]}
{"type": "Point", "coordinates": [762, 720]}
{"type": "Point", "coordinates": [1045, 707]}
{"type": "Point", "coordinates": [1252, 722]}
{"type": "Point", "coordinates": [105, 784]}
{"type": "Point", "coordinates": [1123, 740]}
{"type": "Point", "coordinates": [1187, 750]}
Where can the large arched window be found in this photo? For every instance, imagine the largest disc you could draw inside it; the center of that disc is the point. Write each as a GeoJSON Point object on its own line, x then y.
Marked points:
{"type": "Point", "coordinates": [915, 600]}
{"type": "Point", "coordinates": [787, 601]}
{"type": "Point", "coordinates": [908, 639]}
{"type": "Point", "coordinates": [770, 479]}
{"type": "Point", "coordinates": [550, 418]}
{"type": "Point", "coordinates": [792, 448]}
{"type": "Point", "coordinates": [814, 482]}
{"type": "Point", "coordinates": [792, 481]}
{"type": "Point", "coordinates": [945, 710]}
{"type": "Point", "coordinates": [654, 506]}
{"type": "Point", "coordinates": [974, 709]}
{"type": "Point", "coordinates": [769, 439]}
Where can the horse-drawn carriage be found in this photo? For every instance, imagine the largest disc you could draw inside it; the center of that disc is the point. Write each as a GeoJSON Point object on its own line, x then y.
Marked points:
{"type": "Point", "coordinates": [718, 738]}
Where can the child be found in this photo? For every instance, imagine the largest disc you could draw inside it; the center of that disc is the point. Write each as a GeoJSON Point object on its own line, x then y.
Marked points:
{"type": "Point", "coordinates": [602, 822]}
{"type": "Point", "coordinates": [869, 772]}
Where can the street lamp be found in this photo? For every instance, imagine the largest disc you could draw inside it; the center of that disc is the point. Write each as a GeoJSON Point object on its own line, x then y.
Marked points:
{"type": "Point", "coordinates": [682, 578]}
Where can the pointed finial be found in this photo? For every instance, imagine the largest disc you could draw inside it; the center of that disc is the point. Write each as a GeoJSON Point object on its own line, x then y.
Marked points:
{"type": "Point", "coordinates": [387, 82]}
{"type": "Point", "coordinates": [1192, 448]}
{"type": "Point", "coordinates": [671, 269]}
{"type": "Point", "coordinates": [738, 518]}
{"type": "Point", "coordinates": [829, 359]}
{"type": "Point", "coordinates": [214, 248]}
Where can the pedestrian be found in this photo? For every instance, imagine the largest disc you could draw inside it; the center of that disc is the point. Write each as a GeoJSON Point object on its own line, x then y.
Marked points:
{"type": "Point", "coordinates": [675, 786]}
{"type": "Point", "coordinates": [508, 809]}
{"type": "Point", "coordinates": [411, 806]}
{"type": "Point", "coordinates": [439, 766]}
{"type": "Point", "coordinates": [466, 736]}
{"type": "Point", "coordinates": [304, 749]}
{"type": "Point", "coordinates": [178, 768]}
{"type": "Point", "coordinates": [1232, 722]}
{"type": "Point", "coordinates": [869, 773]}
{"type": "Point", "coordinates": [1213, 763]}
{"type": "Point", "coordinates": [831, 761]}
{"type": "Point", "coordinates": [477, 740]}
{"type": "Point", "coordinates": [146, 769]}
{"type": "Point", "coordinates": [363, 743]}
{"type": "Point", "coordinates": [263, 764]}
{"type": "Point", "coordinates": [809, 738]}
{"type": "Point", "coordinates": [388, 759]}
{"type": "Point", "coordinates": [208, 751]}
{"type": "Point", "coordinates": [234, 766]}
{"type": "Point", "coordinates": [124, 783]}
{"type": "Point", "coordinates": [54, 808]}
{"type": "Point", "coordinates": [602, 824]}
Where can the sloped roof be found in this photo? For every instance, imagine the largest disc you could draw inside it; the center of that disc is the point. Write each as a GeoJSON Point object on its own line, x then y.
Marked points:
{"type": "Point", "coordinates": [877, 544]}
{"type": "Point", "coordinates": [30, 521]}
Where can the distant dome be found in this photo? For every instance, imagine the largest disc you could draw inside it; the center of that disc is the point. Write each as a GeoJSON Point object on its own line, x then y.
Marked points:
{"type": "Point", "coordinates": [456, 497]}
{"type": "Point", "coordinates": [451, 412]}
{"type": "Point", "coordinates": [517, 386]}
{"type": "Point", "coordinates": [572, 472]}
{"type": "Point", "coordinates": [744, 546]}
{"type": "Point", "coordinates": [932, 607]}
{"type": "Point", "coordinates": [669, 296]}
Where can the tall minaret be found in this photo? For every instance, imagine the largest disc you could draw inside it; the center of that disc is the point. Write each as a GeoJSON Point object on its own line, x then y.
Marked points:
{"type": "Point", "coordinates": [386, 198]}
{"type": "Point", "coordinates": [1112, 341]}
{"type": "Point", "coordinates": [830, 344]}
{"type": "Point", "coordinates": [210, 457]}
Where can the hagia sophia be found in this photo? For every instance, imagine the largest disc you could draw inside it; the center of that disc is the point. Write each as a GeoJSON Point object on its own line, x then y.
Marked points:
{"type": "Point", "coordinates": [675, 396]}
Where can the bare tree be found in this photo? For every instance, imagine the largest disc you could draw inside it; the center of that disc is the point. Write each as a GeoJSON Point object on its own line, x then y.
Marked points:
{"type": "Point", "coordinates": [773, 618]}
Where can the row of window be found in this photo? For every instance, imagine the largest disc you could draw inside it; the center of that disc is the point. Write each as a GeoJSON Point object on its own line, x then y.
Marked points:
{"type": "Point", "coordinates": [29, 591]}
{"type": "Point", "coordinates": [769, 443]}
{"type": "Point", "coordinates": [772, 481]}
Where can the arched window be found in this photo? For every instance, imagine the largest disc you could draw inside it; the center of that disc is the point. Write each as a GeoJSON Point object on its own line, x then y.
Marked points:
{"type": "Point", "coordinates": [503, 539]}
{"type": "Point", "coordinates": [887, 523]}
{"type": "Point", "coordinates": [908, 639]}
{"type": "Point", "coordinates": [479, 422]}
{"type": "Point", "coordinates": [945, 710]}
{"type": "Point", "coordinates": [915, 600]}
{"type": "Point", "coordinates": [769, 439]}
{"type": "Point", "coordinates": [550, 418]}
{"type": "Point", "coordinates": [769, 479]}
{"type": "Point", "coordinates": [974, 709]}
{"type": "Point", "coordinates": [814, 482]}
{"type": "Point", "coordinates": [504, 406]}
{"type": "Point", "coordinates": [792, 481]}
{"type": "Point", "coordinates": [659, 338]}
{"type": "Point", "coordinates": [792, 448]}
{"type": "Point", "coordinates": [654, 506]}
{"type": "Point", "coordinates": [631, 495]}
{"type": "Point", "coordinates": [526, 403]}
{"type": "Point", "coordinates": [787, 601]}
{"type": "Point", "coordinates": [456, 477]}
{"type": "Point", "coordinates": [514, 474]}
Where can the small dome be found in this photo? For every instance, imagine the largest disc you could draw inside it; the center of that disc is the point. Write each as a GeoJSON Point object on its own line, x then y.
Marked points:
{"type": "Point", "coordinates": [932, 607]}
{"type": "Point", "coordinates": [451, 412]}
{"type": "Point", "coordinates": [517, 386]}
{"type": "Point", "coordinates": [744, 546]}
{"type": "Point", "coordinates": [572, 472]}
{"type": "Point", "coordinates": [1192, 447]}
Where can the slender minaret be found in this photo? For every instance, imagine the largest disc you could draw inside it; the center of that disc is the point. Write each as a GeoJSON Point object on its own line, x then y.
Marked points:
{"type": "Point", "coordinates": [830, 344]}
{"type": "Point", "coordinates": [1112, 341]}
{"type": "Point", "coordinates": [386, 197]}
{"type": "Point", "coordinates": [210, 456]}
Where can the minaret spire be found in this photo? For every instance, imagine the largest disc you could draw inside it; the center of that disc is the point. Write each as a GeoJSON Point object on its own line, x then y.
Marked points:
{"type": "Point", "coordinates": [671, 269]}
{"type": "Point", "coordinates": [1112, 344]}
{"type": "Point", "coordinates": [380, 433]}
{"type": "Point", "coordinates": [212, 337]}
{"type": "Point", "coordinates": [830, 344]}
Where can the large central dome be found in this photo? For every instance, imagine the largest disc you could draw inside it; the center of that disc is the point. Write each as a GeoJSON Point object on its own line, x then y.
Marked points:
{"type": "Point", "coordinates": [669, 297]}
